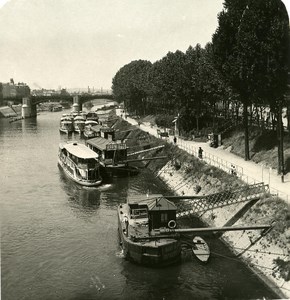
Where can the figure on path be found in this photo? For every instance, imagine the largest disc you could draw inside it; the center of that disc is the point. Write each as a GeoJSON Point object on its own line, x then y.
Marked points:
{"type": "Point", "coordinates": [233, 170]}
{"type": "Point", "coordinates": [200, 152]}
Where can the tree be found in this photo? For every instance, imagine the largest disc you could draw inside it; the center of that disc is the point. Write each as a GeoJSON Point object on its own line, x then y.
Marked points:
{"type": "Point", "coordinates": [131, 85]}
{"type": "Point", "coordinates": [250, 47]}
{"type": "Point", "coordinates": [167, 79]}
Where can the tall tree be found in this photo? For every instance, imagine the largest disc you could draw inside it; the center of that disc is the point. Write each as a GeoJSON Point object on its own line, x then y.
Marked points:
{"type": "Point", "coordinates": [131, 85]}
{"type": "Point", "coordinates": [167, 79]}
{"type": "Point", "coordinates": [226, 54]}
{"type": "Point", "coordinates": [250, 47]}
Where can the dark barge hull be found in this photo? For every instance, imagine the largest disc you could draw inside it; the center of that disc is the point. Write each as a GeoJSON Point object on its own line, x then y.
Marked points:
{"type": "Point", "coordinates": [116, 171]}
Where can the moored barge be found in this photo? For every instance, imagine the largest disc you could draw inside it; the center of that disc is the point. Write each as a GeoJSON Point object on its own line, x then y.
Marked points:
{"type": "Point", "coordinates": [139, 221]}
{"type": "Point", "coordinates": [112, 156]}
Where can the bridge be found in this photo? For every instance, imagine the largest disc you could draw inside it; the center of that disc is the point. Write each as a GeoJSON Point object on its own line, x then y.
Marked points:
{"type": "Point", "coordinates": [29, 103]}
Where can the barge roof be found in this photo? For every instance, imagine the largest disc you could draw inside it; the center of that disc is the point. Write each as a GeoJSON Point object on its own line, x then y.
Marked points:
{"type": "Point", "coordinates": [79, 150]}
{"type": "Point", "coordinates": [154, 202]}
{"type": "Point", "coordinates": [99, 142]}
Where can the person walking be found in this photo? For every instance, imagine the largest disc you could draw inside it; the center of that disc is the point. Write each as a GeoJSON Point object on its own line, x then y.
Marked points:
{"type": "Point", "coordinates": [175, 140]}
{"type": "Point", "coordinates": [126, 224]}
{"type": "Point", "coordinates": [233, 170]}
{"type": "Point", "coordinates": [200, 151]}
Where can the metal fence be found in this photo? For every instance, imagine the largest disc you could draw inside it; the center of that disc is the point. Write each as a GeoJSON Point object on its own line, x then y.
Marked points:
{"type": "Point", "coordinates": [238, 170]}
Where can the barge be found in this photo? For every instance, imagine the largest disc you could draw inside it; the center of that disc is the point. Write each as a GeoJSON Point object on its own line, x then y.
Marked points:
{"type": "Point", "coordinates": [149, 235]}
{"type": "Point", "coordinates": [112, 156]}
{"type": "Point", "coordinates": [137, 221]}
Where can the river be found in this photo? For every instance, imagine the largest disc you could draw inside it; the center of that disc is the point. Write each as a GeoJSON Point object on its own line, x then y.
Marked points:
{"type": "Point", "coordinates": [59, 240]}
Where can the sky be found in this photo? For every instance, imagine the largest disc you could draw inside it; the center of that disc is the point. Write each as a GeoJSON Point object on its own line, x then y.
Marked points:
{"type": "Point", "coordinates": [76, 44]}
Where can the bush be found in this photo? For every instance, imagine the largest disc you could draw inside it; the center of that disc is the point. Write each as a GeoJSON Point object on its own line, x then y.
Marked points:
{"type": "Point", "coordinates": [164, 121]}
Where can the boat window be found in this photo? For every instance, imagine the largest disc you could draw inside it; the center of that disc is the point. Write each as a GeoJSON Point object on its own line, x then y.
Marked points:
{"type": "Point", "coordinates": [109, 154]}
{"type": "Point", "coordinates": [164, 217]}
{"type": "Point", "coordinates": [91, 163]}
{"type": "Point", "coordinates": [139, 213]}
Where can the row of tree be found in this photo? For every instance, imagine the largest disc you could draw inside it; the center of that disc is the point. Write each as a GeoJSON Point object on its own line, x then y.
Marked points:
{"type": "Point", "coordinates": [245, 65]}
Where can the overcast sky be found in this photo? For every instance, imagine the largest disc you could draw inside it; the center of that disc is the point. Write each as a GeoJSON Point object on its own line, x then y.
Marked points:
{"type": "Point", "coordinates": [81, 43]}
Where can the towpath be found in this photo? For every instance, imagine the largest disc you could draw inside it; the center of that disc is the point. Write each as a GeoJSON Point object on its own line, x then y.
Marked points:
{"type": "Point", "coordinates": [249, 171]}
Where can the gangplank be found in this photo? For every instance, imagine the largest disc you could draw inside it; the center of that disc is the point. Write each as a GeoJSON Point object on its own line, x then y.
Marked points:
{"type": "Point", "coordinates": [200, 204]}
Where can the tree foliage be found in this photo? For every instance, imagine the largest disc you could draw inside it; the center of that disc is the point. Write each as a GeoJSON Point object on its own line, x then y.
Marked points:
{"type": "Point", "coordinates": [131, 84]}
{"type": "Point", "coordinates": [244, 65]}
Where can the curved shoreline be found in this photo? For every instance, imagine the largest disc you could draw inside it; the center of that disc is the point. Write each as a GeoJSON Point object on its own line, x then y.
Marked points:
{"type": "Point", "coordinates": [233, 240]}
{"type": "Point", "coordinates": [271, 243]}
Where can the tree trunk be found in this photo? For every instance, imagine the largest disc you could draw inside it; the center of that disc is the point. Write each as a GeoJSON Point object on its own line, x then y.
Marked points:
{"type": "Point", "coordinates": [280, 135]}
{"type": "Point", "coordinates": [246, 128]}
{"type": "Point", "coordinates": [237, 114]}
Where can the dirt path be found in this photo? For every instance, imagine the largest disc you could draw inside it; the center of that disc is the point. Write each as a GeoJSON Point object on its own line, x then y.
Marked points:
{"type": "Point", "coordinates": [248, 171]}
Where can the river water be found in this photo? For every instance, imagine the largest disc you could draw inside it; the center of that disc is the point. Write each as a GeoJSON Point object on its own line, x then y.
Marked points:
{"type": "Point", "coordinates": [59, 240]}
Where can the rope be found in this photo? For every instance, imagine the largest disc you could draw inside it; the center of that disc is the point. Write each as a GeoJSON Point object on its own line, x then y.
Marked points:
{"type": "Point", "coordinates": [257, 251]}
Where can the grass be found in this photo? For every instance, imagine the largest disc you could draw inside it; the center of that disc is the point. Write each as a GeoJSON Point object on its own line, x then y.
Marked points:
{"type": "Point", "coordinates": [263, 146]}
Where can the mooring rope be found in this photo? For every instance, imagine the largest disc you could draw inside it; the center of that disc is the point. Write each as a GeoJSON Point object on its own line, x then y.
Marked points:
{"type": "Point", "coordinates": [257, 251]}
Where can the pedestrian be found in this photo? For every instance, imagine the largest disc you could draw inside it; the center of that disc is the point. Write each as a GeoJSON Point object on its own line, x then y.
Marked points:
{"type": "Point", "coordinates": [200, 152]}
{"type": "Point", "coordinates": [233, 170]}
{"type": "Point", "coordinates": [175, 140]}
{"type": "Point", "coordinates": [126, 224]}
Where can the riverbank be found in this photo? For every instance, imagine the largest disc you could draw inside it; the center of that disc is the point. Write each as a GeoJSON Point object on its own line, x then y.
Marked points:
{"type": "Point", "coordinates": [264, 256]}
{"type": "Point", "coordinates": [267, 256]}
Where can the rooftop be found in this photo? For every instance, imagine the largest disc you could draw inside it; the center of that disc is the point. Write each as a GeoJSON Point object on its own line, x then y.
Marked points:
{"type": "Point", "coordinates": [79, 150]}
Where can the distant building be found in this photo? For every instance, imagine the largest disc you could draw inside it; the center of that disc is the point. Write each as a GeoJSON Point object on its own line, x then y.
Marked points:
{"type": "Point", "coordinates": [22, 90]}
{"type": "Point", "coordinates": [9, 89]}
{"type": "Point", "coordinates": [64, 92]}
{"type": "Point", "coordinates": [12, 90]}
{"type": "Point", "coordinates": [44, 92]}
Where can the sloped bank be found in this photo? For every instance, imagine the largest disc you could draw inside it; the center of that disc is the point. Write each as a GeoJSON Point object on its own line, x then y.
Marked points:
{"type": "Point", "coordinates": [268, 256]}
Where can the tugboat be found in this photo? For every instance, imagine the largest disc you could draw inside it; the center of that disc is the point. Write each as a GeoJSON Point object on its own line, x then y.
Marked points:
{"type": "Point", "coordinates": [79, 163]}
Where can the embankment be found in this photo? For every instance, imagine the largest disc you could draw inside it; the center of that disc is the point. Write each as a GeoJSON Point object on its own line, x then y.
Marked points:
{"type": "Point", "coordinates": [267, 255]}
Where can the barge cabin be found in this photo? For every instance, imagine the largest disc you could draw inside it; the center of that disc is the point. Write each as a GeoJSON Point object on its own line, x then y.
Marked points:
{"type": "Point", "coordinates": [112, 157]}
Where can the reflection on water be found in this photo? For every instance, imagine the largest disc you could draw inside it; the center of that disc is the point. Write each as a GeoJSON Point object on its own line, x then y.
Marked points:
{"type": "Point", "coordinates": [78, 195]}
